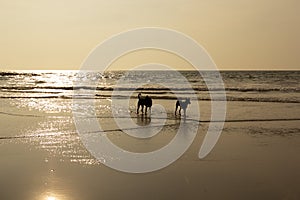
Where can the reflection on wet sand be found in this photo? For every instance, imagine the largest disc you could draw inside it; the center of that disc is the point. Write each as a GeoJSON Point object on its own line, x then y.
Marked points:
{"type": "Point", "coordinates": [143, 120]}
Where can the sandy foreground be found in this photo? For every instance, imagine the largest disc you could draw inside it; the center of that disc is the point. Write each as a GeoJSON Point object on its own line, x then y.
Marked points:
{"type": "Point", "coordinates": [42, 157]}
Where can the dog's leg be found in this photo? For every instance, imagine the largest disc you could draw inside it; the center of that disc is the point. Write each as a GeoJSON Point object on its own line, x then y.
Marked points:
{"type": "Point", "coordinates": [176, 107]}
{"type": "Point", "coordinates": [180, 110]}
{"type": "Point", "coordinates": [138, 107]}
{"type": "Point", "coordinates": [142, 108]}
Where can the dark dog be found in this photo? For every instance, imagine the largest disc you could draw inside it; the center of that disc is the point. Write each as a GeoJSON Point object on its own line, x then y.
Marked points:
{"type": "Point", "coordinates": [144, 101]}
{"type": "Point", "coordinates": [182, 105]}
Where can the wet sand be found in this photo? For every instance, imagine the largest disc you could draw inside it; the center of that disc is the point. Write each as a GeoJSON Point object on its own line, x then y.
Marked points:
{"type": "Point", "coordinates": [42, 157]}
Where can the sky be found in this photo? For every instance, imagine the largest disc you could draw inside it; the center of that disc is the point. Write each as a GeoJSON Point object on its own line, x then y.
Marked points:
{"type": "Point", "coordinates": [238, 34]}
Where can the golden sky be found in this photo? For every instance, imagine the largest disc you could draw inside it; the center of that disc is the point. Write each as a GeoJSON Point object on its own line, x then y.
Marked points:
{"type": "Point", "coordinates": [238, 34]}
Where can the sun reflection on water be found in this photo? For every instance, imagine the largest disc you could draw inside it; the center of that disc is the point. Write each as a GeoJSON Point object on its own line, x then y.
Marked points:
{"type": "Point", "coordinates": [51, 198]}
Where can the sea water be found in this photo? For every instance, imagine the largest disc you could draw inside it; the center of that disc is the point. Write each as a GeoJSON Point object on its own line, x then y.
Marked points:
{"type": "Point", "coordinates": [257, 86]}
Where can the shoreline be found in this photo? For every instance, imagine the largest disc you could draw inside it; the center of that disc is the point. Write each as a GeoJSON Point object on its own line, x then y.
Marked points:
{"type": "Point", "coordinates": [246, 163]}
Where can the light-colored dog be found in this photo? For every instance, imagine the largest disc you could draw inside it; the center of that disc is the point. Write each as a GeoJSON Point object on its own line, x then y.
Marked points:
{"type": "Point", "coordinates": [182, 105]}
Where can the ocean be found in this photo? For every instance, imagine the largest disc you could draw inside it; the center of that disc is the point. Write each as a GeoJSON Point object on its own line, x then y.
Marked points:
{"type": "Point", "coordinates": [256, 86]}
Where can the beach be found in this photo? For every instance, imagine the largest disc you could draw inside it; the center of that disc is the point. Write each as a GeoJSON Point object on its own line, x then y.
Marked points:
{"type": "Point", "coordinates": [42, 156]}
{"type": "Point", "coordinates": [149, 100]}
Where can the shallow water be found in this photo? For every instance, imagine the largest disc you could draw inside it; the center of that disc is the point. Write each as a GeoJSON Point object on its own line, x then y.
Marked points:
{"type": "Point", "coordinates": [258, 86]}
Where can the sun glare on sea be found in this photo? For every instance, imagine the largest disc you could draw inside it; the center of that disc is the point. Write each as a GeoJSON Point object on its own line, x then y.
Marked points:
{"type": "Point", "coordinates": [51, 198]}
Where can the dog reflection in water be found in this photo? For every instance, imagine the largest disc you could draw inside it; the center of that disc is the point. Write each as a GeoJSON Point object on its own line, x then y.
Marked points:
{"type": "Point", "coordinates": [144, 101]}
{"type": "Point", "coordinates": [182, 105]}
{"type": "Point", "coordinates": [143, 120]}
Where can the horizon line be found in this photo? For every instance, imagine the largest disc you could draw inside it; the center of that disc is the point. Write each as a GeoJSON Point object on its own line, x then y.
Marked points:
{"type": "Point", "coordinates": [153, 70]}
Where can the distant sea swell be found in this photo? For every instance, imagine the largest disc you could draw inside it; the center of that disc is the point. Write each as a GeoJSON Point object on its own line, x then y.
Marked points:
{"type": "Point", "coordinates": [256, 86]}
